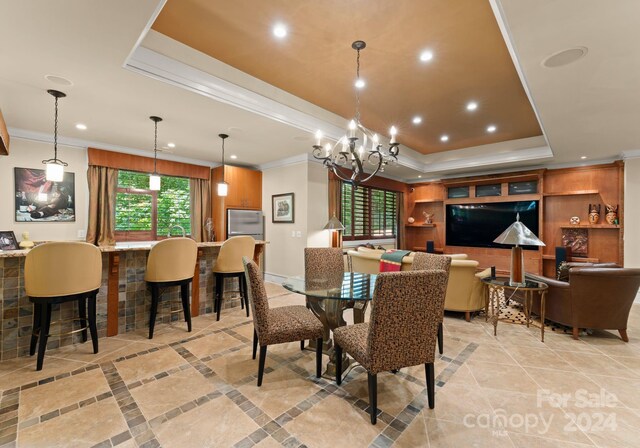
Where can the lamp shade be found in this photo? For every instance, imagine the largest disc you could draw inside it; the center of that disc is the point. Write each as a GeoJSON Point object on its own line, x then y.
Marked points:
{"type": "Point", "coordinates": [154, 182]}
{"type": "Point", "coordinates": [517, 234]}
{"type": "Point", "coordinates": [334, 224]}
{"type": "Point", "coordinates": [223, 188]}
{"type": "Point", "coordinates": [54, 172]}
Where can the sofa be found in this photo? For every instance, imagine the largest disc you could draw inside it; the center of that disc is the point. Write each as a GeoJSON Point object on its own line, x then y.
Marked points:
{"type": "Point", "coordinates": [464, 290]}
{"type": "Point", "coordinates": [595, 297]}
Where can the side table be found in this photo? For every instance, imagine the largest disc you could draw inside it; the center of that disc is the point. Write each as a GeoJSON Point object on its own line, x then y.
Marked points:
{"type": "Point", "coordinates": [493, 288]}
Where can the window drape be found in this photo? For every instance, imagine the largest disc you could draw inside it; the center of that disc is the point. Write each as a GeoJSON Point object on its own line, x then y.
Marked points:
{"type": "Point", "coordinates": [200, 208]}
{"type": "Point", "coordinates": [335, 189]}
{"type": "Point", "coordinates": [103, 182]}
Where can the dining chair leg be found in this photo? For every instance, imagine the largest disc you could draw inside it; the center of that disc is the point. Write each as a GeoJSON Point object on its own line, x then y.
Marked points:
{"type": "Point", "coordinates": [373, 396]}
{"type": "Point", "coordinates": [153, 312]}
{"type": "Point", "coordinates": [429, 372]}
{"type": "Point", "coordinates": [263, 356]}
{"type": "Point", "coordinates": [241, 292]}
{"type": "Point", "coordinates": [338, 352]}
{"type": "Point", "coordinates": [440, 338]}
{"type": "Point", "coordinates": [186, 308]}
{"type": "Point", "coordinates": [255, 343]}
{"type": "Point", "coordinates": [36, 328]}
{"type": "Point", "coordinates": [93, 327]}
{"type": "Point", "coordinates": [82, 314]}
{"type": "Point", "coordinates": [318, 357]}
{"type": "Point", "coordinates": [246, 293]}
{"type": "Point", "coordinates": [45, 323]}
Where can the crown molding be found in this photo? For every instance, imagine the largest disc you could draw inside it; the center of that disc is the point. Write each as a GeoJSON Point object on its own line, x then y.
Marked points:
{"type": "Point", "coordinates": [521, 155]}
{"type": "Point", "coordinates": [630, 154]}
{"type": "Point", "coordinates": [70, 142]}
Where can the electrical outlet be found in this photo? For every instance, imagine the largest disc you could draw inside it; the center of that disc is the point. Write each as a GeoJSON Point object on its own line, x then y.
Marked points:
{"type": "Point", "coordinates": [298, 234]}
{"type": "Point", "coordinates": [293, 234]}
{"type": "Point", "coordinates": [82, 234]}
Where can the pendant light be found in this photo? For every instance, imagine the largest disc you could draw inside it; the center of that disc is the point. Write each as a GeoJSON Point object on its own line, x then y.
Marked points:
{"type": "Point", "coordinates": [55, 166]}
{"type": "Point", "coordinates": [223, 187]}
{"type": "Point", "coordinates": [154, 179]}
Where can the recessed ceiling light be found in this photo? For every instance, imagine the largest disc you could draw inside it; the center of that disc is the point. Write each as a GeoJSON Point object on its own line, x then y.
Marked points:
{"type": "Point", "coordinates": [565, 57]}
{"type": "Point", "coordinates": [280, 31]}
{"type": "Point", "coordinates": [444, 138]}
{"type": "Point", "coordinates": [472, 105]}
{"type": "Point", "coordinates": [58, 80]}
{"type": "Point", "coordinates": [417, 119]}
{"type": "Point", "coordinates": [491, 128]}
{"type": "Point", "coordinates": [81, 126]}
{"type": "Point", "coordinates": [171, 145]}
{"type": "Point", "coordinates": [360, 83]}
{"type": "Point", "coordinates": [233, 156]}
{"type": "Point", "coordinates": [426, 56]}
{"type": "Point", "coordinates": [583, 157]}
{"type": "Point", "coordinates": [419, 177]}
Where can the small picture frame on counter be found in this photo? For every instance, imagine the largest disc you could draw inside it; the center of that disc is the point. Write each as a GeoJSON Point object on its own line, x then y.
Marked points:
{"type": "Point", "coordinates": [8, 240]}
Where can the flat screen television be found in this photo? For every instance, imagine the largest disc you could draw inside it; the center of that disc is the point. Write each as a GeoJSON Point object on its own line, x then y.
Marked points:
{"type": "Point", "coordinates": [477, 225]}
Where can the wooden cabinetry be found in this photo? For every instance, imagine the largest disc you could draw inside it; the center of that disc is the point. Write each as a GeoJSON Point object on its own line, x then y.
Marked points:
{"type": "Point", "coordinates": [245, 192]}
{"type": "Point", "coordinates": [562, 194]}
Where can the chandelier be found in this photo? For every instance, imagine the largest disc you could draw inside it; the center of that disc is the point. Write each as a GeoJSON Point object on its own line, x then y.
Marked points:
{"type": "Point", "coordinates": [349, 155]}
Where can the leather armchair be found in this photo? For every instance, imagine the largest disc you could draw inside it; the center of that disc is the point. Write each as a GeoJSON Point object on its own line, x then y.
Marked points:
{"type": "Point", "coordinates": [595, 297]}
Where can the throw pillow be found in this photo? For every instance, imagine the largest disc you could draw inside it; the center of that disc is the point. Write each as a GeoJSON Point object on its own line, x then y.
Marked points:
{"type": "Point", "coordinates": [563, 272]}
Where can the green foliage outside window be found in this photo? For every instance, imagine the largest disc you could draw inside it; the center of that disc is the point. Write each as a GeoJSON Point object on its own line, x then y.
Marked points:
{"type": "Point", "coordinates": [134, 204]}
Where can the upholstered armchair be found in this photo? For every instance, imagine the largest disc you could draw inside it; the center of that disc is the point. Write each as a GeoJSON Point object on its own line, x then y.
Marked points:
{"type": "Point", "coordinates": [594, 297]}
{"type": "Point", "coordinates": [402, 330]}
{"type": "Point", "coordinates": [426, 262]}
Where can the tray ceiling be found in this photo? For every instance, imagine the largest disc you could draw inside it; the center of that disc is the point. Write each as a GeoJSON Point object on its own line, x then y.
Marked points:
{"type": "Point", "coordinates": [315, 62]}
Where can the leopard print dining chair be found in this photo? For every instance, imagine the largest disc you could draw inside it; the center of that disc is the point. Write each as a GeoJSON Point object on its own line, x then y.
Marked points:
{"type": "Point", "coordinates": [425, 262]}
{"type": "Point", "coordinates": [402, 331]}
{"type": "Point", "coordinates": [278, 325]}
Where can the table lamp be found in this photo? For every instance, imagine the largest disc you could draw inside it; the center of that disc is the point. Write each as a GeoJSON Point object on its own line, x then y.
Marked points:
{"type": "Point", "coordinates": [335, 227]}
{"type": "Point", "coordinates": [517, 234]}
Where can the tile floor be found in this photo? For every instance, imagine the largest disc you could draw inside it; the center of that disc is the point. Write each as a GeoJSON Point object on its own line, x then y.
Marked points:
{"type": "Point", "coordinates": [198, 390]}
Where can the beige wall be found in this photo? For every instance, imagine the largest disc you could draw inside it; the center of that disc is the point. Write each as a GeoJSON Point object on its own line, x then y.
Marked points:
{"type": "Point", "coordinates": [29, 154]}
{"type": "Point", "coordinates": [632, 213]}
{"type": "Point", "coordinates": [285, 252]}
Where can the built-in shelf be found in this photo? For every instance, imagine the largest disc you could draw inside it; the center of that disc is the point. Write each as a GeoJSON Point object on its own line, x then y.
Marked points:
{"type": "Point", "coordinates": [573, 259]}
{"type": "Point", "coordinates": [571, 193]}
{"type": "Point", "coordinates": [426, 201]}
{"type": "Point", "coordinates": [420, 225]}
{"type": "Point", "coordinates": [592, 226]}
{"type": "Point", "coordinates": [437, 250]}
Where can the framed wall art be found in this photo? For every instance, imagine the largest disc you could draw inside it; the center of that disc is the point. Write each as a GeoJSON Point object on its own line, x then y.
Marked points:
{"type": "Point", "coordinates": [40, 200]}
{"type": "Point", "coordinates": [8, 240]}
{"type": "Point", "coordinates": [282, 208]}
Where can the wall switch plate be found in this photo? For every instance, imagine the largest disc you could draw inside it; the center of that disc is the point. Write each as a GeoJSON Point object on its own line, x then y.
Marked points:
{"type": "Point", "coordinates": [293, 234]}
{"type": "Point", "coordinates": [82, 234]}
{"type": "Point", "coordinates": [298, 234]}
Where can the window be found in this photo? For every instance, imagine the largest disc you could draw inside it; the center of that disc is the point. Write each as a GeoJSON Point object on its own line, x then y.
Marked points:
{"type": "Point", "coordinates": [142, 214]}
{"type": "Point", "coordinates": [368, 213]}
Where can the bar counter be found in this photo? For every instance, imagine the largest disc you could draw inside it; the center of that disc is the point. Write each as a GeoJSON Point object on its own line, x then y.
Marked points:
{"type": "Point", "coordinates": [123, 300]}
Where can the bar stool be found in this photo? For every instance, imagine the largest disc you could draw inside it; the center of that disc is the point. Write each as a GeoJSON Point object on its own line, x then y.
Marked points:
{"type": "Point", "coordinates": [229, 265]}
{"type": "Point", "coordinates": [171, 262]}
{"type": "Point", "coordinates": [62, 272]}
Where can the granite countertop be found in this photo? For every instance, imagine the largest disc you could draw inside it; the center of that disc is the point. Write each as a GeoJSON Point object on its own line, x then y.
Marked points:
{"type": "Point", "coordinates": [120, 247]}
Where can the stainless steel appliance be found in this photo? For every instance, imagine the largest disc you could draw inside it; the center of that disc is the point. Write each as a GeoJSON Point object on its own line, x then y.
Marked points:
{"type": "Point", "coordinates": [245, 222]}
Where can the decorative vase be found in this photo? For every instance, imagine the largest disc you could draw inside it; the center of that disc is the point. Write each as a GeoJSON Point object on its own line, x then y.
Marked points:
{"type": "Point", "coordinates": [594, 213]}
{"type": "Point", "coordinates": [574, 221]}
{"type": "Point", "coordinates": [612, 214]}
{"type": "Point", "coordinates": [411, 220]}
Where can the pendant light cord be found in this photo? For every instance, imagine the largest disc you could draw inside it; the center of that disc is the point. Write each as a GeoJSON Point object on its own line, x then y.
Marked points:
{"type": "Point", "coordinates": [223, 155]}
{"type": "Point", "coordinates": [357, 89]}
{"type": "Point", "coordinates": [155, 149]}
{"type": "Point", "coordinates": [55, 132]}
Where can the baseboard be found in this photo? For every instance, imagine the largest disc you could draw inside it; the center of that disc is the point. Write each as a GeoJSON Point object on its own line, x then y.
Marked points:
{"type": "Point", "coordinates": [274, 278]}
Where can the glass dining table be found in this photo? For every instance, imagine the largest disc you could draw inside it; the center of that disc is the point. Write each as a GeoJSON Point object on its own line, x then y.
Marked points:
{"type": "Point", "coordinates": [328, 296]}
